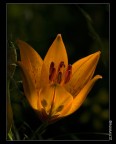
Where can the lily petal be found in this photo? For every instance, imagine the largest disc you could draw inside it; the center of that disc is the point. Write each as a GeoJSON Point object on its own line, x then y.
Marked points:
{"type": "Point", "coordinates": [56, 53]}
{"type": "Point", "coordinates": [82, 72]}
{"type": "Point", "coordinates": [62, 101]}
{"type": "Point", "coordinates": [54, 99]}
{"type": "Point", "coordinates": [79, 99]}
{"type": "Point", "coordinates": [46, 95]}
{"type": "Point", "coordinates": [31, 60]}
{"type": "Point", "coordinates": [29, 86]}
{"type": "Point", "coordinates": [44, 77]}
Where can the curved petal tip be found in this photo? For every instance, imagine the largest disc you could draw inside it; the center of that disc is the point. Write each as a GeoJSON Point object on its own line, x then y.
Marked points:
{"type": "Point", "coordinates": [98, 77]}
{"type": "Point", "coordinates": [97, 54]}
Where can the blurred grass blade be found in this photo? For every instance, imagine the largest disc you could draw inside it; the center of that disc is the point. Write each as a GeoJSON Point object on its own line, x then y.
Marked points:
{"type": "Point", "coordinates": [9, 109]}
{"type": "Point", "coordinates": [92, 31]}
{"type": "Point", "coordinates": [11, 59]}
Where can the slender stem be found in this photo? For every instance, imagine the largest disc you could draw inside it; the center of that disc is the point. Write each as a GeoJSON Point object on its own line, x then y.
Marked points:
{"type": "Point", "coordinates": [39, 130]}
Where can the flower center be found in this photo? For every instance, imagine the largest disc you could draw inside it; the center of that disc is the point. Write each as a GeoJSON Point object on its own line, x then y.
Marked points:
{"type": "Point", "coordinates": [61, 75]}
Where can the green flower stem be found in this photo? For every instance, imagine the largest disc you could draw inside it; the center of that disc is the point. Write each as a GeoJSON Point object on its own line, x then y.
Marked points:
{"type": "Point", "coordinates": [39, 130]}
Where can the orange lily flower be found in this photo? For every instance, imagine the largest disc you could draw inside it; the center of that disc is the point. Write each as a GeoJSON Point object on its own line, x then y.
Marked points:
{"type": "Point", "coordinates": [53, 87]}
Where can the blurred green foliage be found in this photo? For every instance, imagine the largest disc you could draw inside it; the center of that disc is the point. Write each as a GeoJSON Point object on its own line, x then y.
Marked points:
{"type": "Point", "coordinates": [84, 29]}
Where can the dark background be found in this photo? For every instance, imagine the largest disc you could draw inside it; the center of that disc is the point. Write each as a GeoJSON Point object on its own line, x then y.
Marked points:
{"type": "Point", "coordinates": [85, 30]}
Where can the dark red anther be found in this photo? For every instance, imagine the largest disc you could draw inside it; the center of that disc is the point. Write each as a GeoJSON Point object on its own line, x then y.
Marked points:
{"type": "Point", "coordinates": [51, 67]}
{"type": "Point", "coordinates": [68, 73]}
{"type": "Point", "coordinates": [59, 77]}
{"type": "Point", "coordinates": [69, 67]}
{"type": "Point", "coordinates": [52, 74]}
{"type": "Point", "coordinates": [61, 65]}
